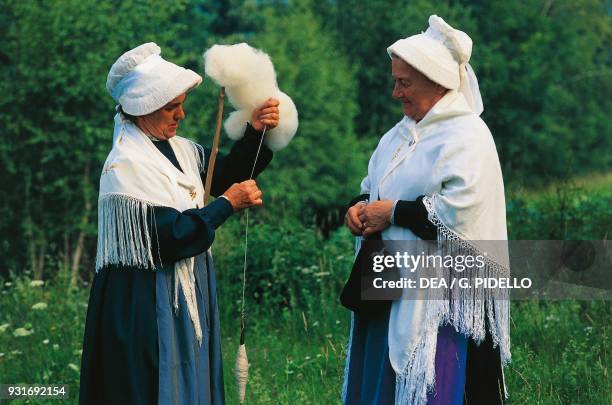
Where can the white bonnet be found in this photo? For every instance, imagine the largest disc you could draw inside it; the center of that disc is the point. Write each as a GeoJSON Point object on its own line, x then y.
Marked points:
{"type": "Point", "coordinates": [141, 81]}
{"type": "Point", "coordinates": [442, 54]}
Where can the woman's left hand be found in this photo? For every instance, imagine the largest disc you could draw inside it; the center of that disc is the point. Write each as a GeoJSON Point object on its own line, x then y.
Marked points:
{"type": "Point", "coordinates": [376, 216]}
{"type": "Point", "coordinates": [266, 116]}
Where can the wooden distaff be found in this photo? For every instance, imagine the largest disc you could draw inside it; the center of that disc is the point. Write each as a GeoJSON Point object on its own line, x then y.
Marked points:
{"type": "Point", "coordinates": [215, 146]}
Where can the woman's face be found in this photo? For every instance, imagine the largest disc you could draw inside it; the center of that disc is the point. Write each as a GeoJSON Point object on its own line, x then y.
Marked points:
{"type": "Point", "coordinates": [414, 90]}
{"type": "Point", "coordinates": [163, 123]}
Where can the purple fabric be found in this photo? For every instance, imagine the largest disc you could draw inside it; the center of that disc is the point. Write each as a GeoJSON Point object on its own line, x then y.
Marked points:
{"type": "Point", "coordinates": [451, 358]}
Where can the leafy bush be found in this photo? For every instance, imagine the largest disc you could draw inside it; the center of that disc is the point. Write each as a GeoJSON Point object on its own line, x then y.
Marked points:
{"type": "Point", "coordinates": [289, 266]}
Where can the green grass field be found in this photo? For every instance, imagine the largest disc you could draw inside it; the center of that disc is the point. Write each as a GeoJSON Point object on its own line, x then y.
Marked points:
{"type": "Point", "coordinates": [560, 349]}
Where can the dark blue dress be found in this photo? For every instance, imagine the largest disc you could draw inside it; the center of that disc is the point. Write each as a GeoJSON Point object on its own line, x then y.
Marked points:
{"type": "Point", "coordinates": [136, 348]}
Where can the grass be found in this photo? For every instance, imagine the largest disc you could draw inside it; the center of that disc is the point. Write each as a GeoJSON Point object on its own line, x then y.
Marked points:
{"type": "Point", "coordinates": [560, 349]}
{"type": "Point", "coordinates": [296, 357]}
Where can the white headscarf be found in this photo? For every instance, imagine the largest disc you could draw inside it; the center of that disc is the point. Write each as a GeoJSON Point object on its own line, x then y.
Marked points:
{"type": "Point", "coordinates": [442, 54]}
{"type": "Point", "coordinates": [141, 81]}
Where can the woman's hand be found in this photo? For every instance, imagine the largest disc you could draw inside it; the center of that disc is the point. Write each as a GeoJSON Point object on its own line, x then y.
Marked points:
{"type": "Point", "coordinates": [266, 116]}
{"type": "Point", "coordinates": [376, 216]}
{"type": "Point", "coordinates": [352, 218]}
{"type": "Point", "coordinates": [244, 195]}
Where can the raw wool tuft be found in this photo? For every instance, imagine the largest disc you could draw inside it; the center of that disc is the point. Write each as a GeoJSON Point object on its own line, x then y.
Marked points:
{"type": "Point", "coordinates": [249, 80]}
{"type": "Point", "coordinates": [246, 73]}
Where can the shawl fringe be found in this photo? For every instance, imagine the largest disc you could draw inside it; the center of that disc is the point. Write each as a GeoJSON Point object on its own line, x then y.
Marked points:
{"type": "Point", "coordinates": [469, 310]}
{"type": "Point", "coordinates": [123, 232]}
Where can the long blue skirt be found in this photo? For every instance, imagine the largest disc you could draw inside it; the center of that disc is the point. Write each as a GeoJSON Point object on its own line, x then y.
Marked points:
{"type": "Point", "coordinates": [189, 373]}
{"type": "Point", "coordinates": [371, 378]}
{"type": "Point", "coordinates": [138, 350]}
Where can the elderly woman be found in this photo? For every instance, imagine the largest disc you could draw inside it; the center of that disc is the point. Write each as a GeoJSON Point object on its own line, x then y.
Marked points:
{"type": "Point", "coordinates": [152, 329]}
{"type": "Point", "coordinates": [434, 176]}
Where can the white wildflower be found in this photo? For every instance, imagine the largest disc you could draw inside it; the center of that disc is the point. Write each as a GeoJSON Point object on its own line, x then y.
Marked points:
{"type": "Point", "coordinates": [45, 342]}
{"type": "Point", "coordinates": [8, 284]}
{"type": "Point", "coordinates": [4, 327]}
{"type": "Point", "coordinates": [1, 354]}
{"type": "Point", "coordinates": [36, 283]}
{"type": "Point", "coordinates": [40, 306]}
{"type": "Point", "coordinates": [55, 346]}
{"type": "Point", "coordinates": [20, 332]}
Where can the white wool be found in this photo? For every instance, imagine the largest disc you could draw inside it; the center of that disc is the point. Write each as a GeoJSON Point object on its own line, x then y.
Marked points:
{"type": "Point", "coordinates": [280, 136]}
{"type": "Point", "coordinates": [234, 124]}
{"type": "Point", "coordinates": [249, 80]}
{"type": "Point", "coordinates": [235, 65]}
{"type": "Point", "coordinates": [242, 372]}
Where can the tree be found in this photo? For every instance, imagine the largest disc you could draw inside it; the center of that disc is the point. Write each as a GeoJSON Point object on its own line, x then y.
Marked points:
{"type": "Point", "coordinates": [320, 170]}
{"type": "Point", "coordinates": [57, 120]}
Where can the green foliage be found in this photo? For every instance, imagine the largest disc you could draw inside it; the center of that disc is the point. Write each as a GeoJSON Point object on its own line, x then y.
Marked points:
{"type": "Point", "coordinates": [543, 69]}
{"type": "Point", "coordinates": [570, 211]}
{"type": "Point", "coordinates": [288, 265]}
{"type": "Point", "coordinates": [321, 169]}
{"type": "Point", "coordinates": [57, 117]}
{"type": "Point", "coordinates": [552, 60]}
{"type": "Point", "coordinates": [364, 32]}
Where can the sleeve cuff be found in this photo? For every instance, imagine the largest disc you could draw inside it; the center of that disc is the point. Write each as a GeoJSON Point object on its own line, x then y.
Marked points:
{"type": "Point", "coordinates": [413, 215]}
{"type": "Point", "coordinates": [252, 138]}
{"type": "Point", "coordinates": [392, 218]}
{"type": "Point", "coordinates": [359, 198]}
{"type": "Point", "coordinates": [251, 134]}
{"type": "Point", "coordinates": [219, 211]}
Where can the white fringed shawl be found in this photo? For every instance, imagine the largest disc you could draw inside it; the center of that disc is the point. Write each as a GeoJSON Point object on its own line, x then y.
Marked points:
{"type": "Point", "coordinates": [137, 176]}
{"type": "Point", "coordinates": [450, 157]}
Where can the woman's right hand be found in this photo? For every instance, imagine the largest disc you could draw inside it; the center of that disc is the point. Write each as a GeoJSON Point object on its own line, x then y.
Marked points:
{"type": "Point", "coordinates": [352, 218]}
{"type": "Point", "coordinates": [244, 195]}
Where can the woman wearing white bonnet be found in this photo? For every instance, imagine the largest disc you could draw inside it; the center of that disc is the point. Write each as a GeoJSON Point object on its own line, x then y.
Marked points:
{"type": "Point", "coordinates": [152, 332]}
{"type": "Point", "coordinates": [434, 176]}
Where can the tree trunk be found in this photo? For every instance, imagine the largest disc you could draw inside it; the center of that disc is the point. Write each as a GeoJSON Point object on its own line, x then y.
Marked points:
{"type": "Point", "coordinates": [80, 244]}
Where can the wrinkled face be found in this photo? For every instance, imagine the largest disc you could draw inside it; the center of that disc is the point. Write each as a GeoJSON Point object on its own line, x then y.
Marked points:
{"type": "Point", "coordinates": [163, 123]}
{"type": "Point", "coordinates": [413, 89]}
